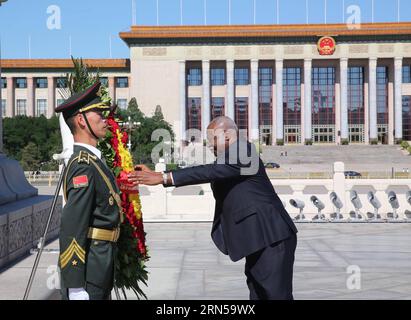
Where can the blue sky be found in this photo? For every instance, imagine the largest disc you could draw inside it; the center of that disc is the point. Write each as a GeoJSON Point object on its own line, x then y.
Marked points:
{"type": "Point", "coordinates": [91, 23]}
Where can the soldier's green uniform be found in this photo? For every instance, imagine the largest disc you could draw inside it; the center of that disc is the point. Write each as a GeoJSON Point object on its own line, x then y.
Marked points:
{"type": "Point", "coordinates": [91, 218]}
{"type": "Point", "coordinates": [87, 262]}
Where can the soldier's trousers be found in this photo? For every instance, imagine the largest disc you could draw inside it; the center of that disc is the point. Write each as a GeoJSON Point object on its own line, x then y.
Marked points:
{"type": "Point", "coordinates": [97, 293]}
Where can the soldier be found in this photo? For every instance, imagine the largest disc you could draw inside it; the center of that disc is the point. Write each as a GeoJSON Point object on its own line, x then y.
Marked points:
{"type": "Point", "coordinates": [92, 215]}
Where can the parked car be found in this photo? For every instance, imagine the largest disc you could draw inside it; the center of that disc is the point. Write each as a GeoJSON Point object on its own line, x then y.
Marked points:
{"type": "Point", "coordinates": [352, 174]}
{"type": "Point", "coordinates": [181, 164]}
{"type": "Point", "coordinates": [270, 165]}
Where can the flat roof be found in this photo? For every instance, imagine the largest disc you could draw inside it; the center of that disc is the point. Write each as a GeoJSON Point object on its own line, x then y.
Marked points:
{"type": "Point", "coordinates": [234, 32]}
{"type": "Point", "coordinates": [63, 63]}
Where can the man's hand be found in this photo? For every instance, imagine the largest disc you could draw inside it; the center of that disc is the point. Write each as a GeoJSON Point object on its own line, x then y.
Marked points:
{"type": "Point", "coordinates": [149, 177]}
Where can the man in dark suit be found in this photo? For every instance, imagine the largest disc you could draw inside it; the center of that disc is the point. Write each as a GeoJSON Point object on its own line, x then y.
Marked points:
{"type": "Point", "coordinates": [249, 220]}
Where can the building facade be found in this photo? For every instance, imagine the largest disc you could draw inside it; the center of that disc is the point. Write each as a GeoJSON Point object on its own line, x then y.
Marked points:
{"type": "Point", "coordinates": [35, 87]}
{"type": "Point", "coordinates": [281, 83]}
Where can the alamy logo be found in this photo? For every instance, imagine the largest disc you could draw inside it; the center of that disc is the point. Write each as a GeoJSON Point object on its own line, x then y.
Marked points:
{"type": "Point", "coordinates": [54, 19]}
{"type": "Point", "coordinates": [354, 278]}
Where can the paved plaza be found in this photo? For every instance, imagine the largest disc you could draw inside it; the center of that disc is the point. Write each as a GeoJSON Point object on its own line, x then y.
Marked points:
{"type": "Point", "coordinates": [320, 158]}
{"type": "Point", "coordinates": [185, 264]}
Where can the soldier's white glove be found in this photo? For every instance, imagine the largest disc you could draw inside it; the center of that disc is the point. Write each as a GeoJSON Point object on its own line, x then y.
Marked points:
{"type": "Point", "coordinates": [78, 294]}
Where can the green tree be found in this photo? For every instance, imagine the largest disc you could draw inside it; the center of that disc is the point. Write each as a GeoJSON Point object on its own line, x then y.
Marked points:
{"type": "Point", "coordinates": [141, 144]}
{"type": "Point", "coordinates": [44, 133]}
{"type": "Point", "coordinates": [134, 111]}
{"type": "Point", "coordinates": [30, 157]}
{"type": "Point", "coordinates": [158, 114]}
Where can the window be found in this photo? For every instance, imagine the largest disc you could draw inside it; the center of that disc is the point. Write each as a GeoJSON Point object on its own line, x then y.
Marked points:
{"type": "Point", "coordinates": [194, 77]}
{"type": "Point", "coordinates": [21, 83]}
{"type": "Point", "coordinates": [323, 96]}
{"type": "Point", "coordinates": [406, 74]}
{"type": "Point", "coordinates": [61, 83]}
{"type": "Point", "coordinates": [241, 115]}
{"type": "Point", "coordinates": [41, 82]}
{"type": "Point", "coordinates": [122, 82]}
{"type": "Point", "coordinates": [217, 76]}
{"type": "Point", "coordinates": [3, 83]}
{"type": "Point", "coordinates": [292, 96]}
{"type": "Point", "coordinates": [265, 110]}
{"type": "Point", "coordinates": [122, 104]}
{"type": "Point", "coordinates": [21, 107]}
{"type": "Point", "coordinates": [41, 107]}
{"type": "Point", "coordinates": [406, 118]}
{"type": "Point", "coordinates": [217, 107]}
{"type": "Point", "coordinates": [355, 101]}
{"type": "Point", "coordinates": [60, 101]}
{"type": "Point", "coordinates": [382, 95]}
{"type": "Point", "coordinates": [241, 77]}
{"type": "Point", "coordinates": [193, 116]}
{"type": "Point", "coordinates": [104, 81]}
{"type": "Point", "coordinates": [3, 108]}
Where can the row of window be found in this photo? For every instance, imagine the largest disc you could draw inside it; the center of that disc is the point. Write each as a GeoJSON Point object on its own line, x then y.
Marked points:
{"type": "Point", "coordinates": [21, 83]}
{"type": "Point", "coordinates": [242, 76]}
{"type": "Point", "coordinates": [41, 106]}
{"type": "Point", "coordinates": [193, 111]}
{"type": "Point", "coordinates": [323, 96]}
{"type": "Point", "coordinates": [217, 108]}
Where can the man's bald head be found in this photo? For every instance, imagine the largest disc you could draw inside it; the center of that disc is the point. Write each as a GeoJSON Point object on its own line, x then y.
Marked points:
{"type": "Point", "coordinates": [224, 123]}
{"type": "Point", "coordinates": [221, 132]}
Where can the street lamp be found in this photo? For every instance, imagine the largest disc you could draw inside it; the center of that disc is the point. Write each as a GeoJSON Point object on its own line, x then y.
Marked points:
{"type": "Point", "coordinates": [1, 1]}
{"type": "Point", "coordinates": [130, 126]}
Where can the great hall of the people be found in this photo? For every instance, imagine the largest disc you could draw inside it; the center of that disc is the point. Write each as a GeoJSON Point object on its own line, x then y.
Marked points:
{"type": "Point", "coordinates": [284, 84]}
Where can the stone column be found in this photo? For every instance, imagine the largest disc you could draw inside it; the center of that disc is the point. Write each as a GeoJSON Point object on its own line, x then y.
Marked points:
{"type": "Point", "coordinates": [230, 89]}
{"type": "Point", "coordinates": [31, 105]}
{"type": "Point", "coordinates": [112, 89]}
{"type": "Point", "coordinates": [302, 116]}
{"type": "Point", "coordinates": [51, 100]}
{"type": "Point", "coordinates": [279, 125]}
{"type": "Point", "coordinates": [10, 110]}
{"type": "Point", "coordinates": [391, 102]}
{"type": "Point", "coordinates": [373, 99]}
{"type": "Point", "coordinates": [366, 109]}
{"type": "Point", "coordinates": [182, 98]}
{"type": "Point", "coordinates": [130, 83]}
{"type": "Point", "coordinates": [307, 99]}
{"type": "Point", "coordinates": [343, 100]}
{"type": "Point", "coordinates": [254, 101]}
{"type": "Point", "coordinates": [398, 98]}
{"type": "Point", "coordinates": [206, 98]}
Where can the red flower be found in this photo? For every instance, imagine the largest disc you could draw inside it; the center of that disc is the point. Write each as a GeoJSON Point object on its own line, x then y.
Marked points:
{"type": "Point", "coordinates": [128, 208]}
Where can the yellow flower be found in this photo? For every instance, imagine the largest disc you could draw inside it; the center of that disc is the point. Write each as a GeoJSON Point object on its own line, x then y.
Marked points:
{"type": "Point", "coordinates": [135, 201]}
{"type": "Point", "coordinates": [127, 166]}
{"type": "Point", "coordinates": [126, 160]}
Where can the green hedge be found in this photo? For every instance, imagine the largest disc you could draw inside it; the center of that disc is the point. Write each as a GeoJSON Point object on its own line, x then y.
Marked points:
{"type": "Point", "coordinates": [405, 145]}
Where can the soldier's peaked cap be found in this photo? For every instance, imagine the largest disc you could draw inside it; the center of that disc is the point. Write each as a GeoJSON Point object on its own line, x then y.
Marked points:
{"type": "Point", "coordinates": [84, 101]}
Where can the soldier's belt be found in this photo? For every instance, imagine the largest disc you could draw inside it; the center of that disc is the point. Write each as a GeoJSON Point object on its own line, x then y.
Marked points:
{"type": "Point", "coordinates": [104, 234]}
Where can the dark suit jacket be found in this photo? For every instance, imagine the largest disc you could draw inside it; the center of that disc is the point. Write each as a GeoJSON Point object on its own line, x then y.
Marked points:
{"type": "Point", "coordinates": [249, 215]}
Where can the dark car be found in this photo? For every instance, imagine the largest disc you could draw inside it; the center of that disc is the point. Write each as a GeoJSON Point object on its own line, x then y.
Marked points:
{"type": "Point", "coordinates": [352, 174]}
{"type": "Point", "coordinates": [270, 165]}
